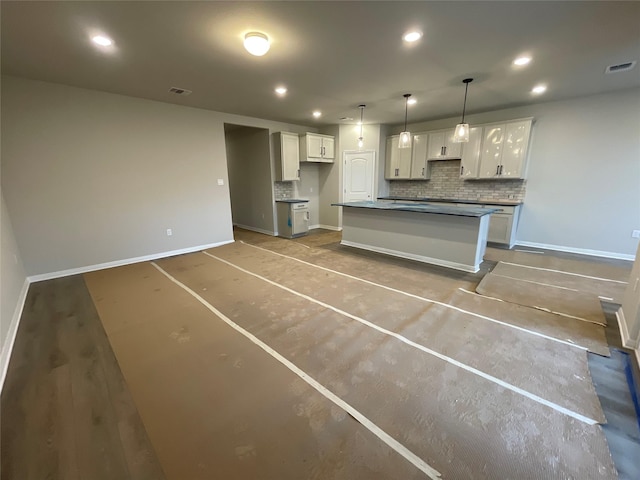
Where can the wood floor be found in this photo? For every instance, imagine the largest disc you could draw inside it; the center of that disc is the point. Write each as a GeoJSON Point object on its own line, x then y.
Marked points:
{"type": "Point", "coordinates": [67, 412]}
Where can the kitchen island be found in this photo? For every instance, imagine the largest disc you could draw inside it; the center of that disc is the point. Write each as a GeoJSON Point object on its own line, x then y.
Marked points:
{"type": "Point", "coordinates": [449, 236]}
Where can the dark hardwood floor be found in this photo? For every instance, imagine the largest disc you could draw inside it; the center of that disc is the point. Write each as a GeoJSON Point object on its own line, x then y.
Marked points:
{"type": "Point", "coordinates": [66, 410]}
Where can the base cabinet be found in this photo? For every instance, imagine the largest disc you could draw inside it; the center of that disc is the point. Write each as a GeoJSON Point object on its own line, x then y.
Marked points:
{"type": "Point", "coordinates": [503, 225]}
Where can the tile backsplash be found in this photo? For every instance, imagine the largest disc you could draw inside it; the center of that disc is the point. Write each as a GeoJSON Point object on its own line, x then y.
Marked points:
{"type": "Point", "coordinates": [445, 182]}
{"type": "Point", "coordinates": [283, 190]}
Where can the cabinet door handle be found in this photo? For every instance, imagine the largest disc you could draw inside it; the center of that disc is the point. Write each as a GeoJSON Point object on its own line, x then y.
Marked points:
{"type": "Point", "coordinates": [445, 150]}
{"type": "Point", "coordinates": [461, 169]}
{"type": "Point", "coordinates": [397, 171]}
{"type": "Point", "coordinates": [498, 170]}
{"type": "Point", "coordinates": [322, 148]}
{"type": "Point", "coordinates": [501, 169]}
{"type": "Point", "coordinates": [423, 171]}
{"type": "Point", "coordinates": [298, 174]}
{"type": "Point", "coordinates": [442, 150]}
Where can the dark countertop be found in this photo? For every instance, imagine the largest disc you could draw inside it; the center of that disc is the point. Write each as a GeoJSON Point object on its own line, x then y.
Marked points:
{"type": "Point", "coordinates": [421, 208]}
{"type": "Point", "coordinates": [292, 200]}
{"type": "Point", "coordinates": [503, 203]}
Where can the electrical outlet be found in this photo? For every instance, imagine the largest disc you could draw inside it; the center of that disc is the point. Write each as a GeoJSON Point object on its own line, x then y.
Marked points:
{"type": "Point", "coordinates": [169, 232]}
{"type": "Point", "coordinates": [635, 234]}
{"type": "Point", "coordinates": [511, 195]}
{"type": "Point", "coordinates": [310, 189]}
{"type": "Point", "coordinates": [221, 181]}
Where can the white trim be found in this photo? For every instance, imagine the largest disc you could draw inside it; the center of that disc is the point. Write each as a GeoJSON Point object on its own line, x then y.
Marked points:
{"type": "Point", "coordinates": [326, 227]}
{"type": "Point", "coordinates": [411, 343]}
{"type": "Point", "coordinates": [627, 341]}
{"type": "Point", "coordinates": [119, 263]}
{"type": "Point", "coordinates": [637, 350]}
{"type": "Point", "coordinates": [580, 251]}
{"type": "Point", "coordinates": [10, 339]}
{"type": "Point", "coordinates": [254, 229]}
{"type": "Point", "coordinates": [363, 420]}
{"type": "Point", "coordinates": [412, 256]}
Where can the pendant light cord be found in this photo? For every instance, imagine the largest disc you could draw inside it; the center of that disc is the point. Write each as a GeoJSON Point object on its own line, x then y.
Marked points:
{"type": "Point", "coordinates": [406, 108]}
{"type": "Point", "coordinates": [361, 116]}
{"type": "Point", "coordinates": [464, 105]}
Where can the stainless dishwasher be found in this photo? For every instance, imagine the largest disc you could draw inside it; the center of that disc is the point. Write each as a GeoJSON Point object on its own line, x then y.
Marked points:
{"type": "Point", "coordinates": [293, 218]}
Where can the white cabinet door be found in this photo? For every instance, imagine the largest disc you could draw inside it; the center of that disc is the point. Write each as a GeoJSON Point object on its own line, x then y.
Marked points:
{"type": "Point", "coordinates": [491, 155]}
{"type": "Point", "coordinates": [436, 145]}
{"type": "Point", "coordinates": [451, 148]}
{"type": "Point", "coordinates": [314, 146]}
{"type": "Point", "coordinates": [471, 154]}
{"type": "Point", "coordinates": [500, 228]}
{"type": "Point", "coordinates": [398, 161]}
{"type": "Point", "coordinates": [290, 157]}
{"type": "Point", "coordinates": [419, 165]}
{"type": "Point", "coordinates": [514, 150]}
{"type": "Point", "coordinates": [328, 145]}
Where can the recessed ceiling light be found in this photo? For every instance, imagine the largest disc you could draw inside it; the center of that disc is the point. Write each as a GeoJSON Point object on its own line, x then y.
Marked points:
{"type": "Point", "coordinates": [412, 101]}
{"type": "Point", "coordinates": [102, 41]}
{"type": "Point", "coordinates": [317, 113]}
{"type": "Point", "coordinates": [538, 89]}
{"type": "Point", "coordinates": [522, 61]}
{"type": "Point", "coordinates": [281, 90]}
{"type": "Point", "coordinates": [412, 36]}
{"type": "Point", "coordinates": [256, 43]}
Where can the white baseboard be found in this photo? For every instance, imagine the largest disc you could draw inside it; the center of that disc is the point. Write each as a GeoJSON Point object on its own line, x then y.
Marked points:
{"type": "Point", "coordinates": [7, 346]}
{"type": "Point", "coordinates": [581, 251]}
{"type": "Point", "coordinates": [627, 341]}
{"type": "Point", "coordinates": [119, 263]}
{"type": "Point", "coordinates": [254, 229]}
{"type": "Point", "coordinates": [326, 227]}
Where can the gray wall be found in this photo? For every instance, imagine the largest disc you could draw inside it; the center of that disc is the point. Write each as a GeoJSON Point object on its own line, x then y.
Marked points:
{"type": "Point", "coordinates": [12, 282]}
{"type": "Point", "coordinates": [250, 185]}
{"type": "Point", "coordinates": [92, 177]}
{"type": "Point", "coordinates": [308, 188]}
{"type": "Point", "coordinates": [330, 180]}
{"type": "Point", "coordinates": [584, 171]}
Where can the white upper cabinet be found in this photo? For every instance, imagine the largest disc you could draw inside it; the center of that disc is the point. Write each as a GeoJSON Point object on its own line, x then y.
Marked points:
{"type": "Point", "coordinates": [420, 168]}
{"type": "Point", "coordinates": [504, 149]}
{"type": "Point", "coordinates": [442, 146]}
{"type": "Point", "coordinates": [287, 158]}
{"type": "Point", "coordinates": [471, 154]}
{"type": "Point", "coordinates": [398, 160]}
{"type": "Point", "coordinates": [317, 148]}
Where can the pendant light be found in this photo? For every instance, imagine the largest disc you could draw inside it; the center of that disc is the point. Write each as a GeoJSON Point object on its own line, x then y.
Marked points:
{"type": "Point", "coordinates": [360, 138]}
{"type": "Point", "coordinates": [405, 136]}
{"type": "Point", "coordinates": [461, 133]}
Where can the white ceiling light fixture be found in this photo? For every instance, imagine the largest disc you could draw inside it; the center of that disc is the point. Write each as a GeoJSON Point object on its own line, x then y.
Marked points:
{"type": "Point", "coordinates": [281, 90]}
{"type": "Point", "coordinates": [461, 134]}
{"type": "Point", "coordinates": [102, 40]}
{"type": "Point", "coordinates": [405, 136]}
{"type": "Point", "coordinates": [317, 113]}
{"type": "Point", "coordinates": [412, 101]}
{"type": "Point", "coordinates": [412, 36]}
{"type": "Point", "coordinates": [539, 89]}
{"type": "Point", "coordinates": [361, 138]}
{"type": "Point", "coordinates": [256, 43]}
{"type": "Point", "coordinates": [522, 61]}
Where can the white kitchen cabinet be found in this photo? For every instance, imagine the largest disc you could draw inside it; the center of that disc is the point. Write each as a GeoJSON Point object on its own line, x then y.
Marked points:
{"type": "Point", "coordinates": [504, 149]}
{"type": "Point", "coordinates": [315, 147]}
{"type": "Point", "coordinates": [286, 148]}
{"type": "Point", "coordinates": [503, 224]}
{"type": "Point", "coordinates": [442, 146]}
{"type": "Point", "coordinates": [398, 160]}
{"type": "Point", "coordinates": [471, 150]}
{"type": "Point", "coordinates": [420, 168]}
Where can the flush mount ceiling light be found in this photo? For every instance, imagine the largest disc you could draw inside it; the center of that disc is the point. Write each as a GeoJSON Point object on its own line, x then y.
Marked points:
{"type": "Point", "coordinates": [539, 89]}
{"type": "Point", "coordinates": [411, 37]}
{"type": "Point", "coordinates": [405, 136]}
{"type": "Point", "coordinates": [281, 90]}
{"type": "Point", "coordinates": [361, 138]}
{"type": "Point", "coordinates": [317, 114]}
{"type": "Point", "coordinates": [102, 40]}
{"type": "Point", "coordinates": [522, 61]}
{"type": "Point", "coordinates": [461, 133]}
{"type": "Point", "coordinates": [256, 43]}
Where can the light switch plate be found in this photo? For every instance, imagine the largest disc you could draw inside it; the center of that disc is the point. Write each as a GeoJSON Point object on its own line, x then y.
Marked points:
{"type": "Point", "coordinates": [220, 181]}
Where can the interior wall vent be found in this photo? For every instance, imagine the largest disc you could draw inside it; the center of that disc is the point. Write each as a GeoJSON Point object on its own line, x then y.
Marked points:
{"type": "Point", "coordinates": [180, 91]}
{"type": "Point", "coordinates": [620, 67]}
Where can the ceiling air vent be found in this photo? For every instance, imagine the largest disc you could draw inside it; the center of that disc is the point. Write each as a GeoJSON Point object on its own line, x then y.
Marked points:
{"type": "Point", "coordinates": [180, 91]}
{"type": "Point", "coordinates": [621, 67]}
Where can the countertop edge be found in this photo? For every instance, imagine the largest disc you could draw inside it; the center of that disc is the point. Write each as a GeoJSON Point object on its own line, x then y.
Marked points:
{"type": "Point", "coordinates": [452, 200]}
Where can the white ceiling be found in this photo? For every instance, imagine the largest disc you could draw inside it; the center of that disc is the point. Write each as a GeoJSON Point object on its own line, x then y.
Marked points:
{"type": "Point", "coordinates": [331, 55]}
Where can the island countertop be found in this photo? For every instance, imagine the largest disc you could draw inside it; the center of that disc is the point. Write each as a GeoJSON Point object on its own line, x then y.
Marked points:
{"type": "Point", "coordinates": [422, 208]}
{"type": "Point", "coordinates": [505, 203]}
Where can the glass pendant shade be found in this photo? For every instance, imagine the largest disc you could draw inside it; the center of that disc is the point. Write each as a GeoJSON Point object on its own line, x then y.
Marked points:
{"type": "Point", "coordinates": [361, 137]}
{"type": "Point", "coordinates": [462, 133]}
{"type": "Point", "coordinates": [405, 136]}
{"type": "Point", "coordinates": [405, 140]}
{"type": "Point", "coordinates": [360, 142]}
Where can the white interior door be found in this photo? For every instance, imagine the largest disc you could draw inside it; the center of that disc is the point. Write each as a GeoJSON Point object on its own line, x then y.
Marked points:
{"type": "Point", "coordinates": [358, 176]}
